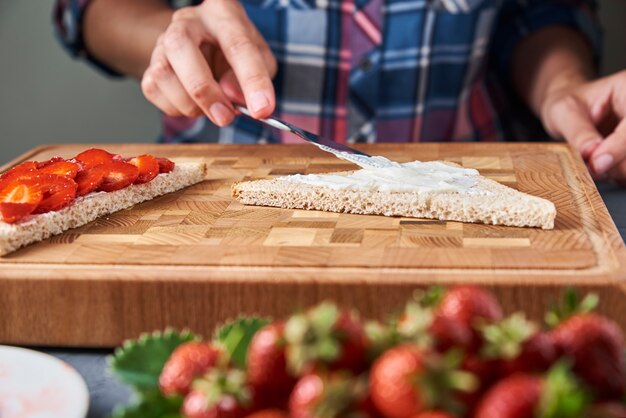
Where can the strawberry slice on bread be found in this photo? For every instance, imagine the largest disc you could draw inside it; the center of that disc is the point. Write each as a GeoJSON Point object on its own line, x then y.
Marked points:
{"type": "Point", "coordinates": [41, 199]}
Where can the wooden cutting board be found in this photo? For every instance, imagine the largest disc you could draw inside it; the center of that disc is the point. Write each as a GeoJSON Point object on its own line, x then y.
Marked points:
{"type": "Point", "coordinates": [197, 257]}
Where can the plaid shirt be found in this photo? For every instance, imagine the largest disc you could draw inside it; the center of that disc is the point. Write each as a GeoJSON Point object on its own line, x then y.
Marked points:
{"type": "Point", "coordinates": [383, 70]}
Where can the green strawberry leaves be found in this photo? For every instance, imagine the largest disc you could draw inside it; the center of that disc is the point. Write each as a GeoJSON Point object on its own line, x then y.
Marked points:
{"type": "Point", "coordinates": [138, 363]}
{"type": "Point", "coordinates": [236, 335]}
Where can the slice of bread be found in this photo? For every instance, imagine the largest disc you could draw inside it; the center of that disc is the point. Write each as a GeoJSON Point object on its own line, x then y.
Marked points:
{"type": "Point", "coordinates": [488, 202]}
{"type": "Point", "coordinates": [88, 208]}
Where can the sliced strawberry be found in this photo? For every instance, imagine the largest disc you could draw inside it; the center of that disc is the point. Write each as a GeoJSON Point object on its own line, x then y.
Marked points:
{"type": "Point", "coordinates": [93, 157]}
{"type": "Point", "coordinates": [19, 200]}
{"type": "Point", "coordinates": [89, 180]}
{"type": "Point", "coordinates": [58, 192]}
{"type": "Point", "coordinates": [25, 170]}
{"type": "Point", "coordinates": [51, 161]}
{"type": "Point", "coordinates": [165, 165]}
{"type": "Point", "coordinates": [118, 175]}
{"type": "Point", "coordinates": [61, 168]}
{"type": "Point", "coordinates": [148, 168]}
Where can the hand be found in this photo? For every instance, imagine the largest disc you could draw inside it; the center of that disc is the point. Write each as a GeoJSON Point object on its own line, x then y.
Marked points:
{"type": "Point", "coordinates": [209, 56]}
{"type": "Point", "coordinates": [592, 117]}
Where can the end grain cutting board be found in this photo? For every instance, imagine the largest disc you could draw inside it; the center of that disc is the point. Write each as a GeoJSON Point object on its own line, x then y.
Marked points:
{"type": "Point", "coordinates": [197, 257]}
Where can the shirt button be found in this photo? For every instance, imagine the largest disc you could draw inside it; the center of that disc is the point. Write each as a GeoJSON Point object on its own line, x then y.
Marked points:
{"type": "Point", "coordinates": [366, 64]}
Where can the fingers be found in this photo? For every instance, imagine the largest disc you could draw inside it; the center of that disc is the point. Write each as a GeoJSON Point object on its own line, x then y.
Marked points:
{"type": "Point", "coordinates": [248, 56]}
{"type": "Point", "coordinates": [611, 152]}
{"type": "Point", "coordinates": [231, 87]}
{"type": "Point", "coordinates": [570, 118]}
{"type": "Point", "coordinates": [170, 90]}
{"type": "Point", "coordinates": [182, 49]}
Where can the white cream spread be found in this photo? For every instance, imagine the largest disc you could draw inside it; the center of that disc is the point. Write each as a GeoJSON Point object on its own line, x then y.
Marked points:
{"type": "Point", "coordinates": [415, 176]}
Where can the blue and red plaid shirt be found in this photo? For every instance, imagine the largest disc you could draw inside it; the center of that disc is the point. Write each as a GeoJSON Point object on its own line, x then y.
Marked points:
{"type": "Point", "coordinates": [383, 70]}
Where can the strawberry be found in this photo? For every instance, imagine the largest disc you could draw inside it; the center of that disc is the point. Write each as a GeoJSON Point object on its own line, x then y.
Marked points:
{"type": "Point", "coordinates": [557, 395]}
{"type": "Point", "coordinates": [327, 337]}
{"type": "Point", "coordinates": [19, 200]}
{"type": "Point", "coordinates": [595, 345]}
{"type": "Point", "coordinates": [61, 168]}
{"type": "Point", "coordinates": [148, 167]}
{"type": "Point", "coordinates": [56, 159]}
{"type": "Point", "coordinates": [187, 362]}
{"type": "Point", "coordinates": [517, 345]}
{"type": "Point", "coordinates": [24, 170]}
{"type": "Point", "coordinates": [407, 380]}
{"type": "Point", "coordinates": [267, 364]}
{"type": "Point", "coordinates": [90, 179]}
{"type": "Point", "coordinates": [218, 393]}
{"type": "Point", "coordinates": [165, 165]}
{"type": "Point", "coordinates": [93, 157]}
{"type": "Point", "coordinates": [118, 176]}
{"type": "Point", "coordinates": [58, 192]}
{"type": "Point", "coordinates": [330, 395]}
{"type": "Point", "coordinates": [458, 314]}
{"type": "Point", "coordinates": [269, 413]}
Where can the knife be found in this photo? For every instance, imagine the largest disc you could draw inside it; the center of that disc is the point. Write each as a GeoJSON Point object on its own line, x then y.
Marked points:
{"type": "Point", "coordinates": [340, 150]}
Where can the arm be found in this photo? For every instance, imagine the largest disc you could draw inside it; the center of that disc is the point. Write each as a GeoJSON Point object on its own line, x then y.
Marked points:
{"type": "Point", "coordinates": [122, 34]}
{"type": "Point", "coordinates": [552, 67]}
{"type": "Point", "coordinates": [546, 65]}
{"type": "Point", "coordinates": [192, 61]}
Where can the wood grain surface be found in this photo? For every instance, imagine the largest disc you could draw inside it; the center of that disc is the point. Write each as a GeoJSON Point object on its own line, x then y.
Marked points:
{"type": "Point", "coordinates": [197, 257]}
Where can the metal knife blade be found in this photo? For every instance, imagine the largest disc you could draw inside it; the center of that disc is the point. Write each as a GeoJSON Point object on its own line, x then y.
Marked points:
{"type": "Point", "coordinates": [340, 150]}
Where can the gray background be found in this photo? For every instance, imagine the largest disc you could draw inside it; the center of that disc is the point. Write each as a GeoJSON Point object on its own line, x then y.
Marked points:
{"type": "Point", "coordinates": [45, 97]}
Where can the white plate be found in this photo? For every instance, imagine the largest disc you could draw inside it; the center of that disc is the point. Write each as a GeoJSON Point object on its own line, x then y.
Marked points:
{"type": "Point", "coordinates": [36, 385]}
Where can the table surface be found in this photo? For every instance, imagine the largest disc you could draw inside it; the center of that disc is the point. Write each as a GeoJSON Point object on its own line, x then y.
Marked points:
{"type": "Point", "coordinates": [106, 392]}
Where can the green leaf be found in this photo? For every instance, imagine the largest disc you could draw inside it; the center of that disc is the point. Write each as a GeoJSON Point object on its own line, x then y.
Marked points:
{"type": "Point", "coordinates": [138, 363]}
{"type": "Point", "coordinates": [151, 405]}
{"type": "Point", "coordinates": [235, 337]}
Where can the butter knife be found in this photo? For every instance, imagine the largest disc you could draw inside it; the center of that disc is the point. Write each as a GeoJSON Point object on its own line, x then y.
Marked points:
{"type": "Point", "coordinates": [340, 150]}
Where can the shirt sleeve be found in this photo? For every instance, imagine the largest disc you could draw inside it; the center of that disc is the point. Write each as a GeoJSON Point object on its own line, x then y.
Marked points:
{"type": "Point", "coordinates": [68, 27]}
{"type": "Point", "coordinates": [519, 18]}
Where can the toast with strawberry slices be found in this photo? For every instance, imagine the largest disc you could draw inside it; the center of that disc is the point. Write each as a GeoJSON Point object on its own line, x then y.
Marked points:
{"type": "Point", "coordinates": [41, 199]}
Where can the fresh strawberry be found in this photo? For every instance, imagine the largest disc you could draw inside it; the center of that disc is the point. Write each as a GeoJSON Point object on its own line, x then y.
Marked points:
{"type": "Point", "coordinates": [148, 168]}
{"type": "Point", "coordinates": [61, 168]}
{"type": "Point", "coordinates": [93, 157]}
{"type": "Point", "coordinates": [558, 395]}
{"type": "Point", "coordinates": [187, 362]}
{"type": "Point", "coordinates": [458, 314]}
{"type": "Point", "coordinates": [118, 175]}
{"type": "Point", "coordinates": [165, 165]}
{"type": "Point", "coordinates": [330, 395]}
{"type": "Point", "coordinates": [24, 170]}
{"type": "Point", "coordinates": [325, 337]}
{"type": "Point", "coordinates": [267, 365]}
{"type": "Point", "coordinates": [219, 393]}
{"type": "Point", "coordinates": [90, 179]}
{"type": "Point", "coordinates": [518, 345]}
{"type": "Point", "coordinates": [408, 380]}
{"type": "Point", "coordinates": [19, 200]}
{"type": "Point", "coordinates": [58, 192]}
{"type": "Point", "coordinates": [43, 164]}
{"type": "Point", "coordinates": [595, 345]}
{"type": "Point", "coordinates": [269, 413]}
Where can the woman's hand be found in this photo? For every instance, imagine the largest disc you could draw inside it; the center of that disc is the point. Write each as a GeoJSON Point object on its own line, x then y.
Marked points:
{"type": "Point", "coordinates": [592, 117]}
{"type": "Point", "coordinates": [209, 56]}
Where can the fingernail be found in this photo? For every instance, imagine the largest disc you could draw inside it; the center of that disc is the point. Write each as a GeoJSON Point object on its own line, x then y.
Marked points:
{"type": "Point", "coordinates": [220, 113]}
{"type": "Point", "coordinates": [258, 101]}
{"type": "Point", "coordinates": [602, 163]}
